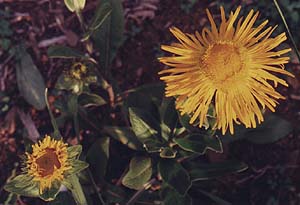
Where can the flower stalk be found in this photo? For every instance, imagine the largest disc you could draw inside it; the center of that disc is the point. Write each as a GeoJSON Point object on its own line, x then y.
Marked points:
{"type": "Point", "coordinates": [77, 191]}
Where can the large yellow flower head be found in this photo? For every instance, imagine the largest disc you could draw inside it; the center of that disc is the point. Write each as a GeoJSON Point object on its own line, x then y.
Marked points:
{"type": "Point", "coordinates": [229, 66]}
{"type": "Point", "coordinates": [48, 162]}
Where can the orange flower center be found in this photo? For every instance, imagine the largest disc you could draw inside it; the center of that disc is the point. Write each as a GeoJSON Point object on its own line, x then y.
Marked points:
{"type": "Point", "coordinates": [222, 62]}
{"type": "Point", "coordinates": [47, 163]}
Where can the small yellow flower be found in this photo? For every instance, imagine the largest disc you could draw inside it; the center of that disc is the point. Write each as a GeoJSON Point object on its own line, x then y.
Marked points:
{"type": "Point", "coordinates": [78, 70]}
{"type": "Point", "coordinates": [48, 162]}
{"type": "Point", "coordinates": [229, 66]}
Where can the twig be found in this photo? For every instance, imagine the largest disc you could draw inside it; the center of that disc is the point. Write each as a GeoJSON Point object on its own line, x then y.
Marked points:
{"type": "Point", "coordinates": [95, 186]}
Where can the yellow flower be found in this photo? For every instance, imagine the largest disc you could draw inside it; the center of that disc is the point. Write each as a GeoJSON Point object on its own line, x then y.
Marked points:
{"type": "Point", "coordinates": [78, 70]}
{"type": "Point", "coordinates": [229, 66]}
{"type": "Point", "coordinates": [48, 162]}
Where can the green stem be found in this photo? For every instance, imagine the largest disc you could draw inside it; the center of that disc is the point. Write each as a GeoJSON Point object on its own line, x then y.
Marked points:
{"type": "Point", "coordinates": [80, 19]}
{"type": "Point", "coordinates": [287, 28]}
{"type": "Point", "coordinates": [73, 100]}
{"type": "Point", "coordinates": [56, 134]}
{"type": "Point", "coordinates": [77, 191]}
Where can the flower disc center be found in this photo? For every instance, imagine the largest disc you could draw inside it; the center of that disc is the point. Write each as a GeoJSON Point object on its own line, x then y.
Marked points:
{"type": "Point", "coordinates": [222, 61]}
{"type": "Point", "coordinates": [47, 162]}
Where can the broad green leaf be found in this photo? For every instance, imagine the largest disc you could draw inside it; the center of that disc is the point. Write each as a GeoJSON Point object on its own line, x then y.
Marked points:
{"type": "Point", "coordinates": [154, 91]}
{"type": "Point", "coordinates": [49, 194]}
{"type": "Point", "coordinates": [239, 134]}
{"type": "Point", "coordinates": [143, 124]}
{"type": "Point", "coordinates": [74, 5]}
{"type": "Point", "coordinates": [73, 104]}
{"type": "Point", "coordinates": [30, 81]}
{"type": "Point", "coordinates": [199, 143]}
{"type": "Point", "coordinates": [168, 113]}
{"type": "Point", "coordinates": [65, 82]}
{"type": "Point", "coordinates": [97, 156]}
{"type": "Point", "coordinates": [153, 144]}
{"type": "Point", "coordinates": [77, 166]}
{"type": "Point", "coordinates": [271, 130]}
{"type": "Point", "coordinates": [140, 171]}
{"type": "Point", "coordinates": [147, 129]}
{"type": "Point", "coordinates": [169, 118]}
{"type": "Point", "coordinates": [64, 52]}
{"type": "Point", "coordinates": [209, 171]}
{"type": "Point", "coordinates": [11, 199]}
{"type": "Point", "coordinates": [172, 197]}
{"type": "Point", "coordinates": [142, 101]}
{"type": "Point", "coordinates": [215, 198]}
{"type": "Point", "coordinates": [22, 180]}
{"type": "Point", "coordinates": [185, 122]}
{"type": "Point", "coordinates": [102, 13]}
{"type": "Point", "coordinates": [125, 135]}
{"type": "Point", "coordinates": [167, 152]}
{"type": "Point", "coordinates": [109, 36]}
{"type": "Point", "coordinates": [14, 186]}
{"type": "Point", "coordinates": [174, 175]}
{"type": "Point", "coordinates": [74, 151]}
{"type": "Point", "coordinates": [90, 99]}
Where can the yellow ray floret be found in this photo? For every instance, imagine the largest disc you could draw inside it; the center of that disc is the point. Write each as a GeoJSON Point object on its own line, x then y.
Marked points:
{"type": "Point", "coordinates": [230, 66]}
{"type": "Point", "coordinates": [48, 162]}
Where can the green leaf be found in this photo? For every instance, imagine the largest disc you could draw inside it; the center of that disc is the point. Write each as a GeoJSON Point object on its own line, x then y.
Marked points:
{"type": "Point", "coordinates": [64, 52]}
{"type": "Point", "coordinates": [271, 130]}
{"type": "Point", "coordinates": [74, 5]}
{"type": "Point", "coordinates": [167, 152]}
{"type": "Point", "coordinates": [65, 82]}
{"type": "Point", "coordinates": [174, 175]}
{"type": "Point", "coordinates": [74, 151]}
{"type": "Point", "coordinates": [153, 144]}
{"type": "Point", "coordinates": [209, 171]}
{"type": "Point", "coordinates": [109, 36]}
{"type": "Point", "coordinates": [98, 156]}
{"type": "Point", "coordinates": [102, 13]}
{"type": "Point", "coordinates": [154, 91]}
{"type": "Point", "coordinates": [73, 104]}
{"type": "Point", "coordinates": [199, 143]}
{"type": "Point", "coordinates": [11, 199]}
{"type": "Point", "coordinates": [77, 166]}
{"type": "Point", "coordinates": [23, 185]}
{"type": "Point", "coordinates": [185, 122]}
{"type": "Point", "coordinates": [125, 135]}
{"type": "Point", "coordinates": [214, 198]}
{"type": "Point", "coordinates": [168, 113]}
{"type": "Point", "coordinates": [143, 123]}
{"type": "Point", "coordinates": [63, 198]}
{"type": "Point", "coordinates": [49, 194]}
{"type": "Point", "coordinates": [146, 128]}
{"type": "Point", "coordinates": [172, 197]}
{"type": "Point", "coordinates": [90, 99]}
{"type": "Point", "coordinates": [22, 180]}
{"type": "Point", "coordinates": [140, 171]}
{"type": "Point", "coordinates": [30, 81]}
